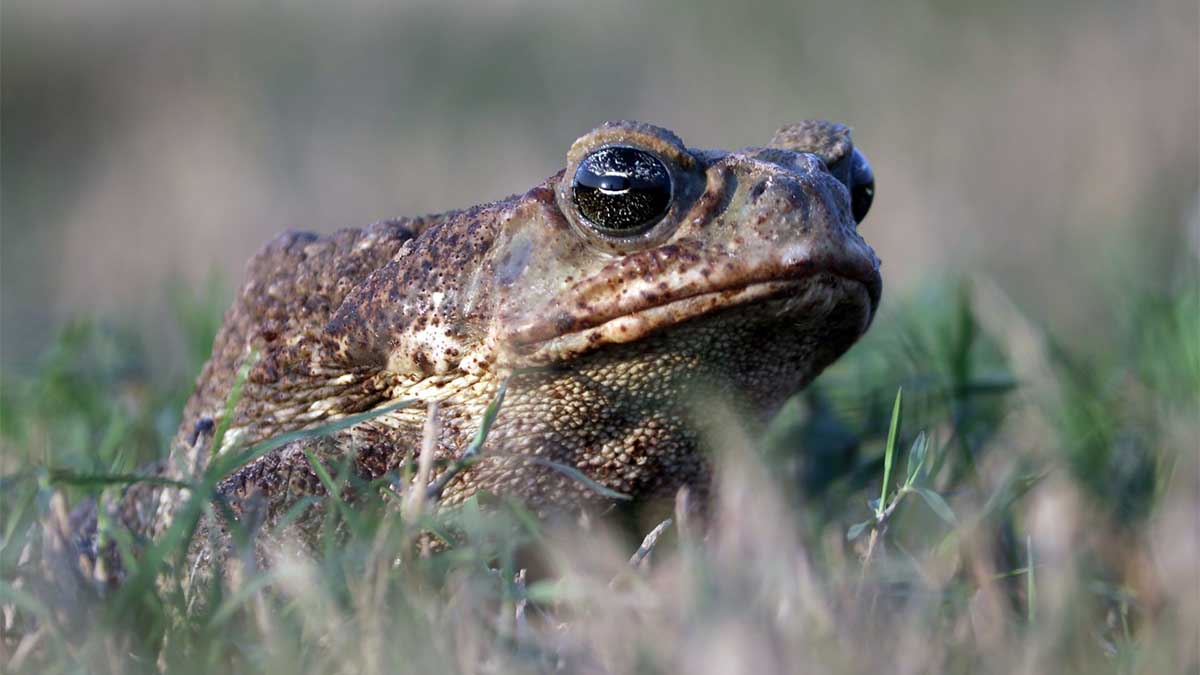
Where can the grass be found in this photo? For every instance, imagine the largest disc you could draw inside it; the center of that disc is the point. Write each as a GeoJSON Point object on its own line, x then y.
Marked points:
{"type": "Point", "coordinates": [1028, 504]}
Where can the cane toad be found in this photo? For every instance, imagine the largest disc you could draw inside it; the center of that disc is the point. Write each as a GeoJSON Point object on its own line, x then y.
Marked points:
{"type": "Point", "coordinates": [614, 293]}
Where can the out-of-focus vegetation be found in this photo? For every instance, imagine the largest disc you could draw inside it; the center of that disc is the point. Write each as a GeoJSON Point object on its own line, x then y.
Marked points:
{"type": "Point", "coordinates": [1036, 518]}
{"type": "Point", "coordinates": [1037, 218]}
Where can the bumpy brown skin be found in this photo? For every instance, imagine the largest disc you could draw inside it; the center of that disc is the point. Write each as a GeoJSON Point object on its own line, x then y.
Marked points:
{"type": "Point", "coordinates": [752, 283]}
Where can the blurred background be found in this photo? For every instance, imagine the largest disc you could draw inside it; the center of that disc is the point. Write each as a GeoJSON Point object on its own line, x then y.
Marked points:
{"type": "Point", "coordinates": [152, 146]}
{"type": "Point", "coordinates": [1037, 214]}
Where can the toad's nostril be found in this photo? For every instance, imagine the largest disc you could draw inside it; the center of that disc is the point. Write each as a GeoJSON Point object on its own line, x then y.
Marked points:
{"type": "Point", "coordinates": [757, 190]}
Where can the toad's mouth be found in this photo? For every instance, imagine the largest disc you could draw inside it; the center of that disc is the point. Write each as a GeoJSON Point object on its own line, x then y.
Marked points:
{"type": "Point", "coordinates": [814, 292]}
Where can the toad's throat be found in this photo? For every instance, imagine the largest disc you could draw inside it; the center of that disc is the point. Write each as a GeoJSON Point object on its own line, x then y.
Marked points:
{"type": "Point", "coordinates": [817, 291]}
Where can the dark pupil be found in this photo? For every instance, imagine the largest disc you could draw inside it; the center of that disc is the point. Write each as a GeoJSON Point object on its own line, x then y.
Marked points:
{"type": "Point", "coordinates": [622, 191]}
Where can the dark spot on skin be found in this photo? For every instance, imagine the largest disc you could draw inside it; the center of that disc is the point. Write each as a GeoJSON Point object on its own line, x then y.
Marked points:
{"type": "Point", "coordinates": [757, 190]}
{"type": "Point", "coordinates": [563, 322]}
{"type": "Point", "coordinates": [204, 426]}
{"type": "Point", "coordinates": [266, 371]}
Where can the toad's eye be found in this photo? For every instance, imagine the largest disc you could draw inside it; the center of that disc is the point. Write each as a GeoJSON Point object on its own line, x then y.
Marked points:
{"type": "Point", "coordinates": [862, 186]}
{"type": "Point", "coordinates": [621, 191]}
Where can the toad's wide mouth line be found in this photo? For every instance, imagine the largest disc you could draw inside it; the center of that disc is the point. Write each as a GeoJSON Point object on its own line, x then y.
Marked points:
{"type": "Point", "coordinates": [643, 321]}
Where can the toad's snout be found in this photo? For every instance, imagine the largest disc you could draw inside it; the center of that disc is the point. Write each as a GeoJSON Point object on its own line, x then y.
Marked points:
{"type": "Point", "coordinates": [798, 209]}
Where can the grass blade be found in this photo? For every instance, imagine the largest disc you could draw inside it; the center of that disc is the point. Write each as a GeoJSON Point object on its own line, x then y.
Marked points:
{"type": "Point", "coordinates": [73, 479]}
{"type": "Point", "coordinates": [330, 485]}
{"type": "Point", "coordinates": [889, 451]}
{"type": "Point", "coordinates": [1030, 583]}
{"type": "Point", "coordinates": [937, 504]}
{"type": "Point", "coordinates": [916, 458]}
{"type": "Point", "coordinates": [576, 475]}
{"type": "Point", "coordinates": [489, 416]}
{"type": "Point", "coordinates": [228, 464]}
{"type": "Point", "coordinates": [235, 394]}
{"type": "Point", "coordinates": [856, 529]}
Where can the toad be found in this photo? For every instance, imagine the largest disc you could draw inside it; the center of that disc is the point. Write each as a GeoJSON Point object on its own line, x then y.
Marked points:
{"type": "Point", "coordinates": [610, 298]}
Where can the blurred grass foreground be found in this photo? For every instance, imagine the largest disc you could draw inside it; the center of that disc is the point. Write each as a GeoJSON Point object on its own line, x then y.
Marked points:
{"type": "Point", "coordinates": [1003, 476]}
{"type": "Point", "coordinates": [1039, 515]}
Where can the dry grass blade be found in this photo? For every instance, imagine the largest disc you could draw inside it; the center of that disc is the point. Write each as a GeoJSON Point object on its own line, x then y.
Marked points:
{"type": "Point", "coordinates": [641, 557]}
{"type": "Point", "coordinates": [414, 506]}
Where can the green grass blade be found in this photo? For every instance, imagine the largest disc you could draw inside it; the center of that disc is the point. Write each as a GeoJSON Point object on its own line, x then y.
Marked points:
{"type": "Point", "coordinates": [577, 475]}
{"type": "Point", "coordinates": [331, 486]}
{"type": "Point", "coordinates": [857, 529]}
{"type": "Point", "coordinates": [937, 504]}
{"type": "Point", "coordinates": [74, 479]}
{"type": "Point", "coordinates": [489, 416]}
{"type": "Point", "coordinates": [890, 451]}
{"type": "Point", "coordinates": [916, 458]}
{"type": "Point", "coordinates": [231, 463]}
{"type": "Point", "coordinates": [1030, 583]}
{"type": "Point", "coordinates": [21, 598]}
{"type": "Point", "coordinates": [232, 603]}
{"type": "Point", "coordinates": [471, 454]}
{"type": "Point", "coordinates": [235, 395]}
